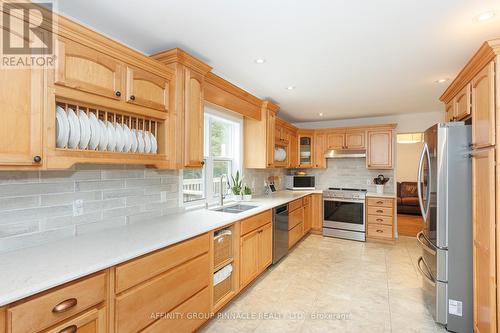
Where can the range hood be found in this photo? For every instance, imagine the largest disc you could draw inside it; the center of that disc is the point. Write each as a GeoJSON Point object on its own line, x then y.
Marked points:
{"type": "Point", "coordinates": [338, 153]}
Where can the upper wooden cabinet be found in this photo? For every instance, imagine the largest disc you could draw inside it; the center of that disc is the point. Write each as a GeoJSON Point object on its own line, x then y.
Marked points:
{"type": "Point", "coordinates": [189, 105]}
{"type": "Point", "coordinates": [83, 68]}
{"type": "Point", "coordinates": [147, 89]}
{"type": "Point", "coordinates": [320, 148]}
{"type": "Point", "coordinates": [379, 149]}
{"type": "Point", "coordinates": [336, 140]}
{"type": "Point", "coordinates": [449, 113]}
{"type": "Point", "coordinates": [462, 103]}
{"type": "Point", "coordinates": [306, 148]}
{"type": "Point", "coordinates": [355, 140]}
{"type": "Point", "coordinates": [483, 107]}
{"type": "Point", "coordinates": [346, 139]}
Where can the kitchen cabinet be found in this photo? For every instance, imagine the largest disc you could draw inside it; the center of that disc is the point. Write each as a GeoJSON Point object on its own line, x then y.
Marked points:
{"type": "Point", "coordinates": [21, 108]}
{"type": "Point", "coordinates": [462, 104]}
{"type": "Point", "coordinates": [93, 321]}
{"type": "Point", "coordinates": [379, 149]}
{"type": "Point", "coordinates": [294, 150]}
{"type": "Point", "coordinates": [85, 69]}
{"type": "Point", "coordinates": [306, 148]}
{"type": "Point", "coordinates": [483, 107]}
{"type": "Point", "coordinates": [380, 214]}
{"type": "Point", "coordinates": [256, 253]}
{"type": "Point", "coordinates": [316, 213]}
{"type": "Point", "coordinates": [319, 150]}
{"type": "Point", "coordinates": [295, 234]}
{"type": "Point", "coordinates": [307, 204]}
{"type": "Point", "coordinates": [449, 113]}
{"type": "Point", "coordinates": [355, 140]}
{"type": "Point", "coordinates": [346, 139]}
{"type": "Point", "coordinates": [336, 140]}
{"type": "Point", "coordinates": [147, 89]}
{"type": "Point", "coordinates": [484, 243]}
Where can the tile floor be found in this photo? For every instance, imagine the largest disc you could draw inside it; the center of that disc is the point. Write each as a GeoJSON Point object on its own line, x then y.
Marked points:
{"type": "Point", "coordinates": [333, 285]}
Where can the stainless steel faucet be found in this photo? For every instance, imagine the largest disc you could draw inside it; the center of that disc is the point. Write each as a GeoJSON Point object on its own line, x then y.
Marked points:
{"type": "Point", "coordinates": [222, 194]}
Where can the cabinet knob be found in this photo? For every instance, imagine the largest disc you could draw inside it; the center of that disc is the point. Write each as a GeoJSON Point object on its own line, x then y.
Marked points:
{"type": "Point", "coordinates": [118, 93]}
{"type": "Point", "coordinates": [202, 162]}
{"type": "Point", "coordinates": [37, 159]}
{"type": "Point", "coordinates": [132, 98]}
{"type": "Point", "coordinates": [69, 329]}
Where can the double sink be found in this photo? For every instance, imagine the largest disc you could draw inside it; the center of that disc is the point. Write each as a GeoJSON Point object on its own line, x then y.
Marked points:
{"type": "Point", "coordinates": [234, 209]}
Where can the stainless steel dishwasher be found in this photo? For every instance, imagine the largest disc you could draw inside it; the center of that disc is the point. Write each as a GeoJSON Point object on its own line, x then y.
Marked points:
{"type": "Point", "coordinates": [280, 232]}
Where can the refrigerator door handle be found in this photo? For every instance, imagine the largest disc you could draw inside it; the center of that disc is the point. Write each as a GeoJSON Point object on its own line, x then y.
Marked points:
{"type": "Point", "coordinates": [419, 182]}
{"type": "Point", "coordinates": [426, 247]}
{"type": "Point", "coordinates": [428, 276]}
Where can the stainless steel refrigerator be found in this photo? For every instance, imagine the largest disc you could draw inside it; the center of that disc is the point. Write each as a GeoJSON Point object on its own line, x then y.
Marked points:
{"type": "Point", "coordinates": [445, 196]}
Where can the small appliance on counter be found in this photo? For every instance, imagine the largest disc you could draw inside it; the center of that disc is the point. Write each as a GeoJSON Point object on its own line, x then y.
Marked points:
{"type": "Point", "coordinates": [299, 182]}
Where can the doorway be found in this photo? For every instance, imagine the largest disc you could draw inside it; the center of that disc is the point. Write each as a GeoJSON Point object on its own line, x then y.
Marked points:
{"type": "Point", "coordinates": [409, 148]}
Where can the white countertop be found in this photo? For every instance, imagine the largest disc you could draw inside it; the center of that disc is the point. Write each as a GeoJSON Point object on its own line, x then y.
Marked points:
{"type": "Point", "coordinates": [383, 195]}
{"type": "Point", "coordinates": [29, 271]}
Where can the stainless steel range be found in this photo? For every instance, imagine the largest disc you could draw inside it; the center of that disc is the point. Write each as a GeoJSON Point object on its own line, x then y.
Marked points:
{"type": "Point", "coordinates": [344, 213]}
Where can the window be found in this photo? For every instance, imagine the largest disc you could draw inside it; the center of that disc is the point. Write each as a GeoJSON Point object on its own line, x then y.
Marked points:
{"type": "Point", "coordinates": [410, 137]}
{"type": "Point", "coordinates": [222, 152]}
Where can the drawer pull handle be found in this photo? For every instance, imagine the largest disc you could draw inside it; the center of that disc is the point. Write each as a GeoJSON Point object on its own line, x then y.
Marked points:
{"type": "Point", "coordinates": [69, 329]}
{"type": "Point", "coordinates": [65, 306]}
{"type": "Point", "coordinates": [380, 220]}
{"type": "Point", "coordinates": [380, 202]}
{"type": "Point", "coordinates": [380, 211]}
{"type": "Point", "coordinates": [378, 230]}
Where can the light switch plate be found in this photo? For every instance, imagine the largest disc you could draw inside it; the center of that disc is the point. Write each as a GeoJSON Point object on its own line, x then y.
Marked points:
{"type": "Point", "coordinates": [163, 196]}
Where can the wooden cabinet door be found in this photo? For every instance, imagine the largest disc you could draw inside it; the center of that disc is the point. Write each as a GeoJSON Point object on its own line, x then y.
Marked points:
{"type": "Point", "coordinates": [147, 89]}
{"type": "Point", "coordinates": [336, 140]}
{"type": "Point", "coordinates": [379, 149]}
{"type": "Point", "coordinates": [319, 150]}
{"type": "Point", "coordinates": [483, 107]}
{"type": "Point", "coordinates": [306, 151]}
{"type": "Point", "coordinates": [307, 217]}
{"type": "Point", "coordinates": [355, 140]}
{"type": "Point", "coordinates": [93, 321]}
{"type": "Point", "coordinates": [293, 151]}
{"type": "Point", "coordinates": [316, 212]}
{"type": "Point", "coordinates": [249, 257]}
{"type": "Point", "coordinates": [270, 137]}
{"type": "Point", "coordinates": [483, 224]}
{"type": "Point", "coordinates": [193, 119]}
{"type": "Point", "coordinates": [82, 68]}
{"type": "Point", "coordinates": [449, 114]}
{"type": "Point", "coordinates": [462, 104]}
{"type": "Point", "coordinates": [21, 106]}
{"type": "Point", "coordinates": [265, 247]}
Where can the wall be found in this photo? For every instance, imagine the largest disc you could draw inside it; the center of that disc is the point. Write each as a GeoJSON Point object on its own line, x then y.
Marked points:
{"type": "Point", "coordinates": [36, 207]}
{"type": "Point", "coordinates": [407, 123]}
{"type": "Point", "coordinates": [255, 178]}
{"type": "Point", "coordinates": [407, 161]}
{"type": "Point", "coordinates": [351, 173]}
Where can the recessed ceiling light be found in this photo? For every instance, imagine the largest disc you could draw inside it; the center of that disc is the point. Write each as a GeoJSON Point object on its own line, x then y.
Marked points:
{"type": "Point", "coordinates": [260, 61]}
{"type": "Point", "coordinates": [443, 80]}
{"type": "Point", "coordinates": [290, 87]}
{"type": "Point", "coordinates": [485, 16]}
{"type": "Point", "coordinates": [321, 114]}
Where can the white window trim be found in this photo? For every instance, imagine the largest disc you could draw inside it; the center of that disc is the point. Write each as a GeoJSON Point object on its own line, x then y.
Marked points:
{"type": "Point", "coordinates": [238, 165]}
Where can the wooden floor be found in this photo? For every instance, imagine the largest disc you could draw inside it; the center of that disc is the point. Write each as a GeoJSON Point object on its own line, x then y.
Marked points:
{"type": "Point", "coordinates": [409, 225]}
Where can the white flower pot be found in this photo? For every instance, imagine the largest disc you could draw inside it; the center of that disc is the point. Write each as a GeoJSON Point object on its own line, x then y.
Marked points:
{"type": "Point", "coordinates": [237, 197]}
{"type": "Point", "coordinates": [247, 197]}
{"type": "Point", "coordinates": [380, 189]}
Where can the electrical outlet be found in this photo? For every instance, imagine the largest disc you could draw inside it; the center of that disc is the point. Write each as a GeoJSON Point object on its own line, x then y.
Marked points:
{"type": "Point", "coordinates": [163, 195]}
{"type": "Point", "coordinates": [368, 182]}
{"type": "Point", "coordinates": [78, 207]}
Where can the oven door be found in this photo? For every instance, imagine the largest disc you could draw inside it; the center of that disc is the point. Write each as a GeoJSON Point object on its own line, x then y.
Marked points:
{"type": "Point", "coordinates": [344, 214]}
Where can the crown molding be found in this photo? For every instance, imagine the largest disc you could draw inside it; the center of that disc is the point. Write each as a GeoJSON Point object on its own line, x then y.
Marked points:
{"type": "Point", "coordinates": [177, 55]}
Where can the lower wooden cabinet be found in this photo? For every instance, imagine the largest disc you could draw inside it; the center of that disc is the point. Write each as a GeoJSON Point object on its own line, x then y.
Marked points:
{"type": "Point", "coordinates": [316, 213]}
{"type": "Point", "coordinates": [307, 214]}
{"type": "Point", "coordinates": [256, 253]}
{"type": "Point", "coordinates": [380, 214]}
{"type": "Point", "coordinates": [295, 234]}
{"type": "Point", "coordinates": [92, 321]}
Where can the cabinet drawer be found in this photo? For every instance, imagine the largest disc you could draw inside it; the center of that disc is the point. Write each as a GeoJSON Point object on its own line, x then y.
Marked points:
{"type": "Point", "coordinates": [379, 219]}
{"type": "Point", "coordinates": [380, 202]}
{"type": "Point", "coordinates": [93, 321]}
{"type": "Point", "coordinates": [384, 211]}
{"type": "Point", "coordinates": [295, 234]}
{"type": "Point", "coordinates": [380, 231]}
{"type": "Point", "coordinates": [162, 294]}
{"type": "Point", "coordinates": [306, 200]}
{"type": "Point", "coordinates": [295, 217]}
{"type": "Point", "coordinates": [139, 270]}
{"type": "Point", "coordinates": [55, 306]}
{"type": "Point", "coordinates": [294, 205]}
{"type": "Point", "coordinates": [187, 317]}
{"type": "Point", "coordinates": [255, 222]}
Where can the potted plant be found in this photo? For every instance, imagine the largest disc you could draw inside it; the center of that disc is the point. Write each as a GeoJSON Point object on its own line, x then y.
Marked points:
{"type": "Point", "coordinates": [247, 193]}
{"type": "Point", "coordinates": [236, 186]}
{"type": "Point", "coordinates": [379, 182]}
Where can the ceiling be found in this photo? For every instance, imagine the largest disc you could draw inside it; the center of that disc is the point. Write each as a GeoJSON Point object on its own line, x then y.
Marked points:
{"type": "Point", "coordinates": [347, 59]}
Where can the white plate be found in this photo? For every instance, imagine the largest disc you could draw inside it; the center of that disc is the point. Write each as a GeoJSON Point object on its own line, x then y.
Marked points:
{"type": "Point", "coordinates": [128, 138]}
{"type": "Point", "coordinates": [84, 130]}
{"type": "Point", "coordinates": [147, 142]}
{"type": "Point", "coordinates": [120, 142]}
{"type": "Point", "coordinates": [154, 144]}
{"type": "Point", "coordinates": [74, 129]}
{"type": "Point", "coordinates": [140, 142]}
{"type": "Point", "coordinates": [62, 128]}
{"type": "Point", "coordinates": [95, 132]}
{"type": "Point", "coordinates": [111, 136]}
{"type": "Point", "coordinates": [133, 137]}
{"type": "Point", "coordinates": [103, 140]}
